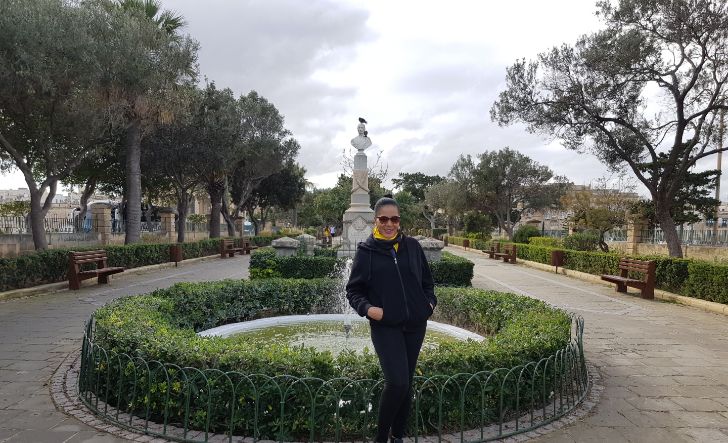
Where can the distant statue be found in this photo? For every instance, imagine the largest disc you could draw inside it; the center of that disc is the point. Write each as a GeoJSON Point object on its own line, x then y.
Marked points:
{"type": "Point", "coordinates": [362, 141]}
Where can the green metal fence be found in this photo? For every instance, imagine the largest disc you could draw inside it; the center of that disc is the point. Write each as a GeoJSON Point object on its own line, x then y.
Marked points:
{"type": "Point", "coordinates": [196, 405]}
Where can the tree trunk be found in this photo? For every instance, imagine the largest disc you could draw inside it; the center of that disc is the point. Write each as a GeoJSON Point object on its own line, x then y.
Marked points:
{"type": "Point", "coordinates": [254, 221]}
{"type": "Point", "coordinates": [133, 190]}
{"type": "Point", "coordinates": [38, 212]}
{"type": "Point", "coordinates": [229, 220]}
{"type": "Point", "coordinates": [667, 224]}
{"type": "Point", "coordinates": [225, 210]}
{"type": "Point", "coordinates": [602, 244]}
{"type": "Point", "coordinates": [183, 202]}
{"type": "Point", "coordinates": [215, 193]}
{"type": "Point", "coordinates": [37, 218]}
{"type": "Point", "coordinates": [88, 190]}
{"type": "Point", "coordinates": [263, 217]}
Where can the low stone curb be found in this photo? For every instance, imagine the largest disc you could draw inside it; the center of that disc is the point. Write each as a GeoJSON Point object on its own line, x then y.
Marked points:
{"type": "Point", "coordinates": [64, 393]}
{"type": "Point", "coordinates": [52, 288]}
{"type": "Point", "coordinates": [709, 306]}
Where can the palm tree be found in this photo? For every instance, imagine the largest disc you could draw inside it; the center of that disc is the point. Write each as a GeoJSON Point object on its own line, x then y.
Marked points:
{"type": "Point", "coordinates": [169, 23]}
{"type": "Point", "coordinates": [166, 20]}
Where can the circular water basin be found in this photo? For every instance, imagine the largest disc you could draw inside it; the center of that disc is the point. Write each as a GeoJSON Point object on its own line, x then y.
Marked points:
{"type": "Point", "coordinates": [327, 332]}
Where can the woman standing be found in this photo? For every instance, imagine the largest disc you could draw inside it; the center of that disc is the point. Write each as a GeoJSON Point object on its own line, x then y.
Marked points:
{"type": "Point", "coordinates": [392, 286]}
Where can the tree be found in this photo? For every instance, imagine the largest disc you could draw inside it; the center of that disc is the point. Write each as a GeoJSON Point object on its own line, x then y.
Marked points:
{"type": "Point", "coordinates": [306, 212]}
{"type": "Point", "coordinates": [410, 210]}
{"type": "Point", "coordinates": [266, 148]}
{"type": "Point", "coordinates": [19, 208]}
{"type": "Point", "coordinates": [51, 119]}
{"type": "Point", "coordinates": [282, 190]}
{"type": "Point", "coordinates": [645, 92]}
{"type": "Point", "coordinates": [449, 197]}
{"type": "Point", "coordinates": [217, 144]}
{"type": "Point", "coordinates": [416, 183]}
{"type": "Point", "coordinates": [172, 157]}
{"type": "Point", "coordinates": [600, 208]}
{"type": "Point", "coordinates": [149, 59]}
{"type": "Point", "coordinates": [693, 202]}
{"type": "Point", "coordinates": [505, 183]}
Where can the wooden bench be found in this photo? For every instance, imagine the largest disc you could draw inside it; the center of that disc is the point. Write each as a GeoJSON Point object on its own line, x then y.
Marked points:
{"type": "Point", "coordinates": [248, 247]}
{"type": "Point", "coordinates": [76, 260]}
{"type": "Point", "coordinates": [646, 284]}
{"type": "Point", "coordinates": [509, 253]}
{"type": "Point", "coordinates": [228, 249]}
{"type": "Point", "coordinates": [493, 249]}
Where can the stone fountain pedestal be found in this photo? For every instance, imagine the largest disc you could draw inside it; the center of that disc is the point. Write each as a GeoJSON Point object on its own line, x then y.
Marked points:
{"type": "Point", "coordinates": [359, 218]}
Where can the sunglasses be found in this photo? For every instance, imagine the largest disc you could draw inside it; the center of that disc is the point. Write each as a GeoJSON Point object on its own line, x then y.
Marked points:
{"type": "Point", "coordinates": [383, 219]}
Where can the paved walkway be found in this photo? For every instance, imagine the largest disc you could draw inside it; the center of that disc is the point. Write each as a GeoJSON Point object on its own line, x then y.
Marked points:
{"type": "Point", "coordinates": [662, 365]}
{"type": "Point", "coordinates": [36, 334]}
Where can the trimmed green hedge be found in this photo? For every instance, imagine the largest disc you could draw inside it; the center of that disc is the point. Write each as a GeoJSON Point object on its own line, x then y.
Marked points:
{"type": "Point", "coordinates": [51, 265]}
{"type": "Point", "coordinates": [688, 277]}
{"type": "Point", "coordinates": [474, 242]}
{"type": "Point", "coordinates": [452, 270]}
{"type": "Point", "coordinates": [265, 264]}
{"type": "Point", "coordinates": [546, 241]}
{"type": "Point", "coordinates": [161, 327]}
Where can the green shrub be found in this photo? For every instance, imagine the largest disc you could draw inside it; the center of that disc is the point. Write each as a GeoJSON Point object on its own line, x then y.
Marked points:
{"type": "Point", "coordinates": [474, 242]}
{"type": "Point", "coordinates": [524, 232]}
{"type": "Point", "coordinates": [452, 270]}
{"type": "Point", "coordinates": [265, 264]}
{"type": "Point", "coordinates": [582, 241]}
{"type": "Point", "coordinates": [439, 232]}
{"type": "Point", "coordinates": [325, 252]}
{"type": "Point", "coordinates": [707, 281]}
{"type": "Point", "coordinates": [546, 241]}
{"type": "Point", "coordinates": [478, 236]}
{"type": "Point", "coordinates": [51, 265]}
{"type": "Point", "coordinates": [161, 327]}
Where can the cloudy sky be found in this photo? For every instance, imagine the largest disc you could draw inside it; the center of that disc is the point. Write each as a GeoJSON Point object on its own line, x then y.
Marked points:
{"type": "Point", "coordinates": [423, 73]}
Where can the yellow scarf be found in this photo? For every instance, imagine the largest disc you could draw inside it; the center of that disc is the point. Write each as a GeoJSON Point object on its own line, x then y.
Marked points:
{"type": "Point", "coordinates": [379, 236]}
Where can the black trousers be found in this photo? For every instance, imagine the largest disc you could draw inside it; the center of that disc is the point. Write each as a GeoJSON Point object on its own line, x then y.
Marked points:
{"type": "Point", "coordinates": [397, 348]}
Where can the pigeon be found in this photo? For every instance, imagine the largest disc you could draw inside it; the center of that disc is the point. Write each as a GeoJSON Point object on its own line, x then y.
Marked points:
{"type": "Point", "coordinates": [366, 133]}
{"type": "Point", "coordinates": [361, 120]}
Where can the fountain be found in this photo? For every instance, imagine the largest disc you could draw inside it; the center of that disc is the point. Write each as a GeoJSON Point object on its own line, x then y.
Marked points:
{"type": "Point", "coordinates": [338, 331]}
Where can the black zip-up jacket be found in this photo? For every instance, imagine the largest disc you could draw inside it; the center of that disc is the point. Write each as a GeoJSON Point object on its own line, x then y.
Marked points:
{"type": "Point", "coordinates": [399, 282]}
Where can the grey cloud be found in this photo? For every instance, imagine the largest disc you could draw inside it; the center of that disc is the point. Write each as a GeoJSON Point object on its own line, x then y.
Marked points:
{"type": "Point", "coordinates": [274, 47]}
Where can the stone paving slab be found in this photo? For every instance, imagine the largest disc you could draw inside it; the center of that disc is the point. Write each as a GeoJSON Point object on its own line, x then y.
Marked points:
{"type": "Point", "coordinates": [662, 365]}
{"type": "Point", "coordinates": [38, 332]}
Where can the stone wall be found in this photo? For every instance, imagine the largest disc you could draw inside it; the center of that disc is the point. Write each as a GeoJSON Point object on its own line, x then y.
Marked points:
{"type": "Point", "coordinates": [709, 253]}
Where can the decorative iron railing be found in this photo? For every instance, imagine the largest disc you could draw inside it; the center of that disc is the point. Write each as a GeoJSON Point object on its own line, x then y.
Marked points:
{"type": "Point", "coordinates": [165, 400]}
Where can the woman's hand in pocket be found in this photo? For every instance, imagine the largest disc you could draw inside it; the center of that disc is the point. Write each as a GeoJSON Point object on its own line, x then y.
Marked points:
{"type": "Point", "coordinates": [375, 313]}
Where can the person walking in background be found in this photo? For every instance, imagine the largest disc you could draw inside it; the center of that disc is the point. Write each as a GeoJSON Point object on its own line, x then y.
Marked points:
{"type": "Point", "coordinates": [391, 284]}
{"type": "Point", "coordinates": [114, 219]}
{"type": "Point", "coordinates": [327, 235]}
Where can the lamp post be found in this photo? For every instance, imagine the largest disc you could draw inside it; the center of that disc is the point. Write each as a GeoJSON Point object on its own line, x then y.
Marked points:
{"type": "Point", "coordinates": [721, 129]}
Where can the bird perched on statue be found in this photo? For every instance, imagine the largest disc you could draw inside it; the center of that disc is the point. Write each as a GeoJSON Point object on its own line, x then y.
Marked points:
{"type": "Point", "coordinates": [366, 133]}
{"type": "Point", "coordinates": [361, 120]}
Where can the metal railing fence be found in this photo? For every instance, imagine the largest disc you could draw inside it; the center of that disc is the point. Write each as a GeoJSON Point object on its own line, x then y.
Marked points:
{"type": "Point", "coordinates": [199, 405]}
{"type": "Point", "coordinates": [689, 236]}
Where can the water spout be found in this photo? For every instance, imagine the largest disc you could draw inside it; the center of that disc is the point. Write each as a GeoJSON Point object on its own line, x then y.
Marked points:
{"type": "Point", "coordinates": [347, 325]}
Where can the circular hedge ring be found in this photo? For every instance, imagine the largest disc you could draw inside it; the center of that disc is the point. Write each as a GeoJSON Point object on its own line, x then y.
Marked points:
{"type": "Point", "coordinates": [143, 361]}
